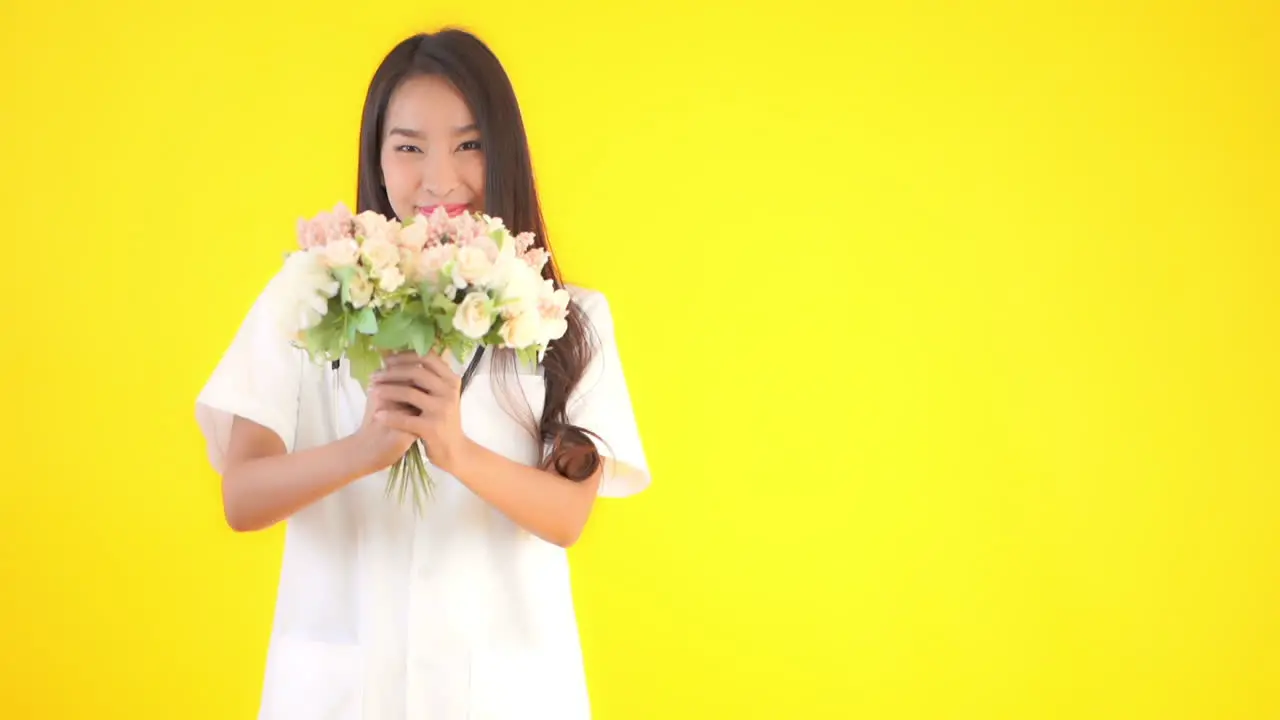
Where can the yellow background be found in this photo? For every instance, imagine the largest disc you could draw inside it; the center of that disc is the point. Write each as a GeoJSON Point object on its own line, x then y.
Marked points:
{"type": "Point", "coordinates": [952, 334]}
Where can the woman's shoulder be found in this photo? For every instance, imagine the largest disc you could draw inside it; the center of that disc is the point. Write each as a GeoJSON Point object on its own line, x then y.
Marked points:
{"type": "Point", "coordinates": [582, 293]}
{"type": "Point", "coordinates": [593, 303]}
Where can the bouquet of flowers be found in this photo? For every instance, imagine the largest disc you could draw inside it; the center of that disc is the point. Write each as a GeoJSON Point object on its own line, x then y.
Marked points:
{"type": "Point", "coordinates": [362, 286]}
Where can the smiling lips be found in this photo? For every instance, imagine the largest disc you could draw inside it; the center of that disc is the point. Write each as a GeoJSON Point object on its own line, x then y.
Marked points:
{"type": "Point", "coordinates": [453, 209]}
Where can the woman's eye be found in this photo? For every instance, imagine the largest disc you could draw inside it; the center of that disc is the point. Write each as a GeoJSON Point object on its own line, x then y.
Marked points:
{"type": "Point", "coordinates": [408, 148]}
{"type": "Point", "coordinates": [470, 145]}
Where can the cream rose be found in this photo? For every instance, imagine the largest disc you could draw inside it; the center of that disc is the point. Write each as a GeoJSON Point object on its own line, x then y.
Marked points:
{"type": "Point", "coordinates": [472, 267]}
{"type": "Point", "coordinates": [474, 315]}
{"type": "Point", "coordinates": [341, 253]}
{"type": "Point", "coordinates": [360, 289]}
{"type": "Point", "coordinates": [369, 225]}
{"type": "Point", "coordinates": [380, 254]}
{"type": "Point", "coordinates": [409, 265]}
{"type": "Point", "coordinates": [390, 279]}
{"type": "Point", "coordinates": [520, 326]}
{"type": "Point", "coordinates": [553, 310]}
{"type": "Point", "coordinates": [413, 236]}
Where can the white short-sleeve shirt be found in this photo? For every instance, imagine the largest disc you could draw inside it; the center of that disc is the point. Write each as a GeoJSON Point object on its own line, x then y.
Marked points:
{"type": "Point", "coordinates": [453, 614]}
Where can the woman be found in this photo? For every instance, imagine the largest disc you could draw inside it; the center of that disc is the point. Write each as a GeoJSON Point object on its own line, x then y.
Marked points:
{"type": "Point", "coordinates": [464, 610]}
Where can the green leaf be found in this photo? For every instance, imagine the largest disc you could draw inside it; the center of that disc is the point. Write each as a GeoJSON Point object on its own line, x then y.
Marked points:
{"type": "Point", "coordinates": [325, 339]}
{"type": "Point", "coordinates": [443, 303]}
{"type": "Point", "coordinates": [529, 356]}
{"type": "Point", "coordinates": [420, 338]}
{"type": "Point", "coordinates": [460, 346]}
{"type": "Point", "coordinates": [366, 322]}
{"type": "Point", "coordinates": [444, 321]}
{"type": "Point", "coordinates": [336, 308]}
{"type": "Point", "coordinates": [344, 276]}
{"type": "Point", "coordinates": [413, 308]}
{"type": "Point", "coordinates": [393, 332]}
{"type": "Point", "coordinates": [429, 327]}
{"type": "Point", "coordinates": [365, 361]}
{"type": "Point", "coordinates": [348, 332]}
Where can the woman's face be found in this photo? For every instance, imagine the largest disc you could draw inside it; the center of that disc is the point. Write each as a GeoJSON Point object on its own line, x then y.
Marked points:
{"type": "Point", "coordinates": [431, 154]}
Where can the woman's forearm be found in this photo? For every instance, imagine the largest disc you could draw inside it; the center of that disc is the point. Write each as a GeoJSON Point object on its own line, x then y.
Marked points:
{"type": "Point", "coordinates": [261, 489]}
{"type": "Point", "coordinates": [546, 504]}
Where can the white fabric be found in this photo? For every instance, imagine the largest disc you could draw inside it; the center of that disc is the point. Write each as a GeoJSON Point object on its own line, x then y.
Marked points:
{"type": "Point", "coordinates": [455, 615]}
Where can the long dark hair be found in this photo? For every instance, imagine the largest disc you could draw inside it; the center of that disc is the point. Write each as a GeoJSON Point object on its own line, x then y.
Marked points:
{"type": "Point", "coordinates": [510, 193]}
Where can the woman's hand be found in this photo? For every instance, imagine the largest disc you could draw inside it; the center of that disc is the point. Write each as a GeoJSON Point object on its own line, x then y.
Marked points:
{"type": "Point", "coordinates": [425, 397]}
{"type": "Point", "coordinates": [381, 444]}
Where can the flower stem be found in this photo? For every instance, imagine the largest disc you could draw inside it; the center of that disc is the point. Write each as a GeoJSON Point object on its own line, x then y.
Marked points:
{"type": "Point", "coordinates": [410, 474]}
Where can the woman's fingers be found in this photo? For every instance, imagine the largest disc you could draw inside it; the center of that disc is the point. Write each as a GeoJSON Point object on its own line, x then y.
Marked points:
{"type": "Point", "coordinates": [404, 422]}
{"type": "Point", "coordinates": [409, 396]}
{"type": "Point", "coordinates": [439, 368]}
{"type": "Point", "coordinates": [419, 374]}
{"type": "Point", "coordinates": [401, 359]}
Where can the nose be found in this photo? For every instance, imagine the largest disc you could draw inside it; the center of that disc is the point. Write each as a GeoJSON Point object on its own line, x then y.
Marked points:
{"type": "Point", "coordinates": [440, 178]}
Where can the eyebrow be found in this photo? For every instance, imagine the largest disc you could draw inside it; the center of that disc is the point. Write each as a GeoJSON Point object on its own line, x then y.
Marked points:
{"type": "Point", "coordinates": [418, 135]}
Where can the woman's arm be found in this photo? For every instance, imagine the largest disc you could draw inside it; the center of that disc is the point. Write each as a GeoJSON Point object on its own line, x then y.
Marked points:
{"type": "Point", "coordinates": [263, 484]}
{"type": "Point", "coordinates": [545, 503]}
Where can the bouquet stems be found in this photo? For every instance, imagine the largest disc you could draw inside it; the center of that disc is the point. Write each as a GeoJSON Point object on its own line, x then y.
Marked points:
{"type": "Point", "coordinates": [410, 474]}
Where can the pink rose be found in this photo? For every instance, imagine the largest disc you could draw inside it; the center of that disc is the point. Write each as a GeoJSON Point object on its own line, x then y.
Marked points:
{"type": "Point", "coordinates": [432, 262]}
{"type": "Point", "coordinates": [537, 258]}
{"type": "Point", "coordinates": [326, 227]}
{"type": "Point", "coordinates": [438, 226]}
{"type": "Point", "coordinates": [553, 308]}
{"type": "Point", "coordinates": [524, 241]}
{"type": "Point", "coordinates": [465, 229]}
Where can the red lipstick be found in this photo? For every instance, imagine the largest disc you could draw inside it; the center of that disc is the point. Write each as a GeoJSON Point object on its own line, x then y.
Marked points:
{"type": "Point", "coordinates": [453, 209]}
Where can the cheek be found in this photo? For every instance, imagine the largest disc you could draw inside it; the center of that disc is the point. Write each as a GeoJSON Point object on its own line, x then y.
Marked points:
{"type": "Point", "coordinates": [401, 174]}
{"type": "Point", "coordinates": [471, 170]}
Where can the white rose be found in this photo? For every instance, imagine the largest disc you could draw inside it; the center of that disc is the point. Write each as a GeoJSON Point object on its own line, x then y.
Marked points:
{"type": "Point", "coordinates": [360, 290]}
{"type": "Point", "coordinates": [513, 280]}
{"type": "Point", "coordinates": [304, 286]}
{"type": "Point", "coordinates": [520, 327]}
{"type": "Point", "coordinates": [472, 266]}
{"type": "Point", "coordinates": [474, 315]}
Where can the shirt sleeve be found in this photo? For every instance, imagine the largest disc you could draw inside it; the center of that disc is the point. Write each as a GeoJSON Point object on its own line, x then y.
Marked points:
{"type": "Point", "coordinates": [601, 403]}
{"type": "Point", "coordinates": [257, 378]}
